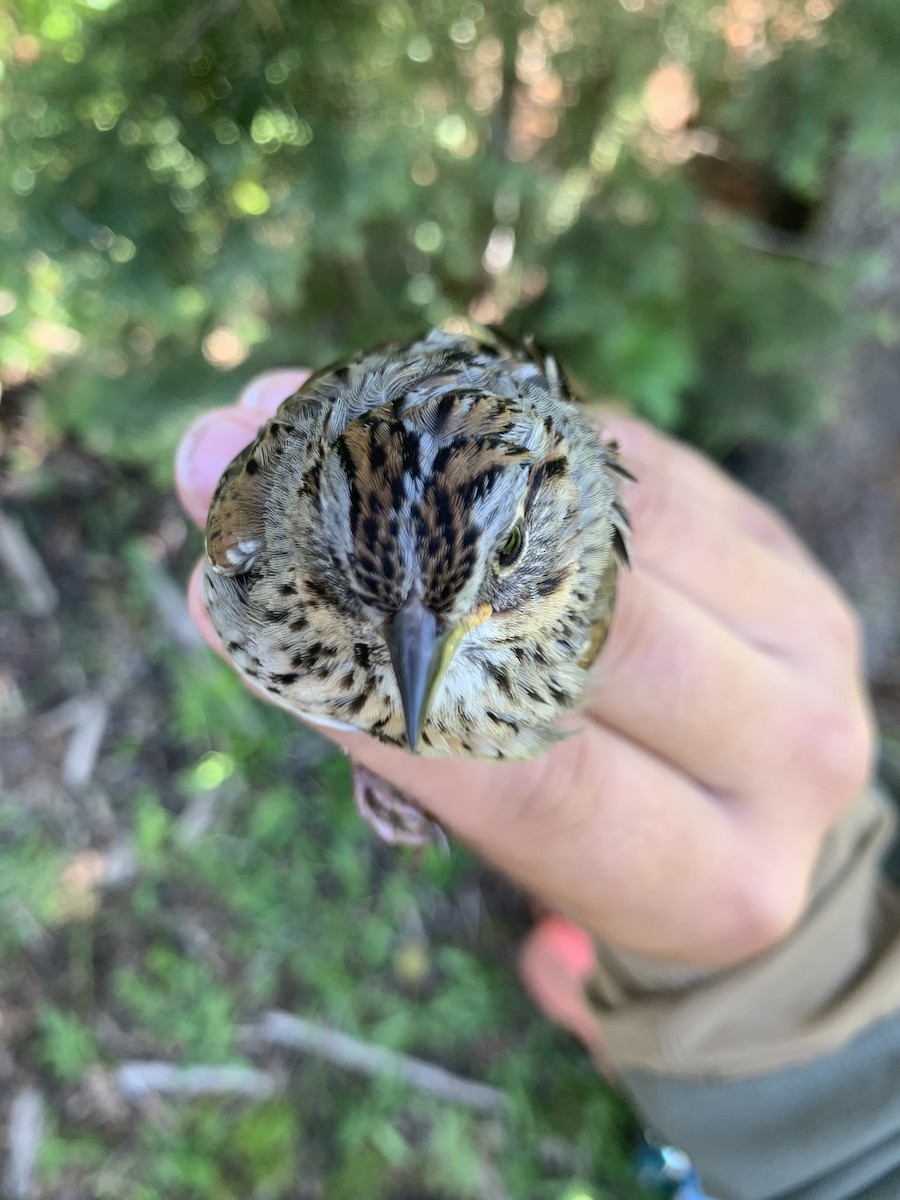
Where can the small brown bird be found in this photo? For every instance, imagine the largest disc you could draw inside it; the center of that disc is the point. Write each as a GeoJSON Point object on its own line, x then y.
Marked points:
{"type": "Point", "coordinates": [422, 544]}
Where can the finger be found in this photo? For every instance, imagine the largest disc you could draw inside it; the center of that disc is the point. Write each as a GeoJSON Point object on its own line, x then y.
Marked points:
{"type": "Point", "coordinates": [678, 682]}
{"type": "Point", "coordinates": [766, 598]}
{"type": "Point", "coordinates": [650, 453]}
{"type": "Point", "coordinates": [555, 963]}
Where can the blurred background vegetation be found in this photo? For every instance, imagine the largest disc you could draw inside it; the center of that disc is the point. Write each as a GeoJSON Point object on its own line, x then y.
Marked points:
{"type": "Point", "coordinates": [694, 200]}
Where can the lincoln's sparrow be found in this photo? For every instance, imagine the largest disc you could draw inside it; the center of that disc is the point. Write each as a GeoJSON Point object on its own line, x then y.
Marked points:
{"type": "Point", "coordinates": [422, 544]}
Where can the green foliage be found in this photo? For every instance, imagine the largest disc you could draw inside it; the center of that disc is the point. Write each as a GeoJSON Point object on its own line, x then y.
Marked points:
{"type": "Point", "coordinates": [205, 1155]}
{"type": "Point", "coordinates": [190, 188]}
{"type": "Point", "coordinates": [67, 1046]}
{"type": "Point", "coordinates": [178, 1001]}
{"type": "Point", "coordinates": [29, 896]}
{"type": "Point", "coordinates": [265, 1142]}
{"type": "Point", "coordinates": [62, 1156]}
{"type": "Point", "coordinates": [151, 827]}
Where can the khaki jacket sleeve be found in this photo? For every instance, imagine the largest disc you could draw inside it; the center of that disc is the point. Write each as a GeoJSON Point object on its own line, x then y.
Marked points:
{"type": "Point", "coordinates": [780, 1076]}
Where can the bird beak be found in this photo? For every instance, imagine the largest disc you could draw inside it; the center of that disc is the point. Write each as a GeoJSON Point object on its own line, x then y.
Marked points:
{"type": "Point", "coordinates": [422, 646]}
{"type": "Point", "coordinates": [415, 638]}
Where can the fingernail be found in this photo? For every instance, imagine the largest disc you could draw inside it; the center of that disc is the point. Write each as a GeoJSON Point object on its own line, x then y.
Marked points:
{"type": "Point", "coordinates": [205, 451]}
{"type": "Point", "coordinates": [254, 394]}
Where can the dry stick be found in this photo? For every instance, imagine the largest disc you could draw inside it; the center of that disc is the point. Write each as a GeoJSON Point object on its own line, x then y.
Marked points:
{"type": "Point", "coordinates": [283, 1029]}
{"type": "Point", "coordinates": [140, 1078]}
{"type": "Point", "coordinates": [24, 1140]}
{"type": "Point", "coordinates": [24, 565]}
{"type": "Point", "coordinates": [91, 714]}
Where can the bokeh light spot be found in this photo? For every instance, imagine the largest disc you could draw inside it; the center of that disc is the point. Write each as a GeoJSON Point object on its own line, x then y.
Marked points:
{"type": "Point", "coordinates": [428, 237]}
{"type": "Point", "coordinates": [421, 289]}
{"type": "Point", "coordinates": [450, 132]}
{"type": "Point", "coordinates": [211, 771]}
{"type": "Point", "coordinates": [59, 25]}
{"type": "Point", "coordinates": [251, 198]}
{"type": "Point", "coordinates": [224, 349]}
{"type": "Point", "coordinates": [419, 49]}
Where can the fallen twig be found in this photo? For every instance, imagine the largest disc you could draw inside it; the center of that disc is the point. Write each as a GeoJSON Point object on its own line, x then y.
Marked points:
{"type": "Point", "coordinates": [294, 1033]}
{"type": "Point", "coordinates": [88, 726]}
{"type": "Point", "coordinates": [140, 1078]}
{"type": "Point", "coordinates": [24, 1139]}
{"type": "Point", "coordinates": [25, 567]}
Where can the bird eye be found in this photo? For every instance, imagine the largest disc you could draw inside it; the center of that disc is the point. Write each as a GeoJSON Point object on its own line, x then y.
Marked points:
{"type": "Point", "coordinates": [511, 550]}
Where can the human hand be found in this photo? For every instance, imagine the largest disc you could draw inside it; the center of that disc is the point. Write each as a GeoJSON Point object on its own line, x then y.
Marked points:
{"type": "Point", "coordinates": [725, 730]}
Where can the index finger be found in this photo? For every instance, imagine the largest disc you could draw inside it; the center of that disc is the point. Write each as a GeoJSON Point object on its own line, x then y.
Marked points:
{"type": "Point", "coordinates": [655, 454]}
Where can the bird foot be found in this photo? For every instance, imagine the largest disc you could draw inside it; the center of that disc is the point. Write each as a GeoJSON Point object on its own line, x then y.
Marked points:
{"type": "Point", "coordinates": [396, 818]}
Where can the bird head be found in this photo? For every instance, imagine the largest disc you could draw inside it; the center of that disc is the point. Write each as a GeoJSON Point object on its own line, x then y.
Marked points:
{"type": "Point", "coordinates": [455, 522]}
